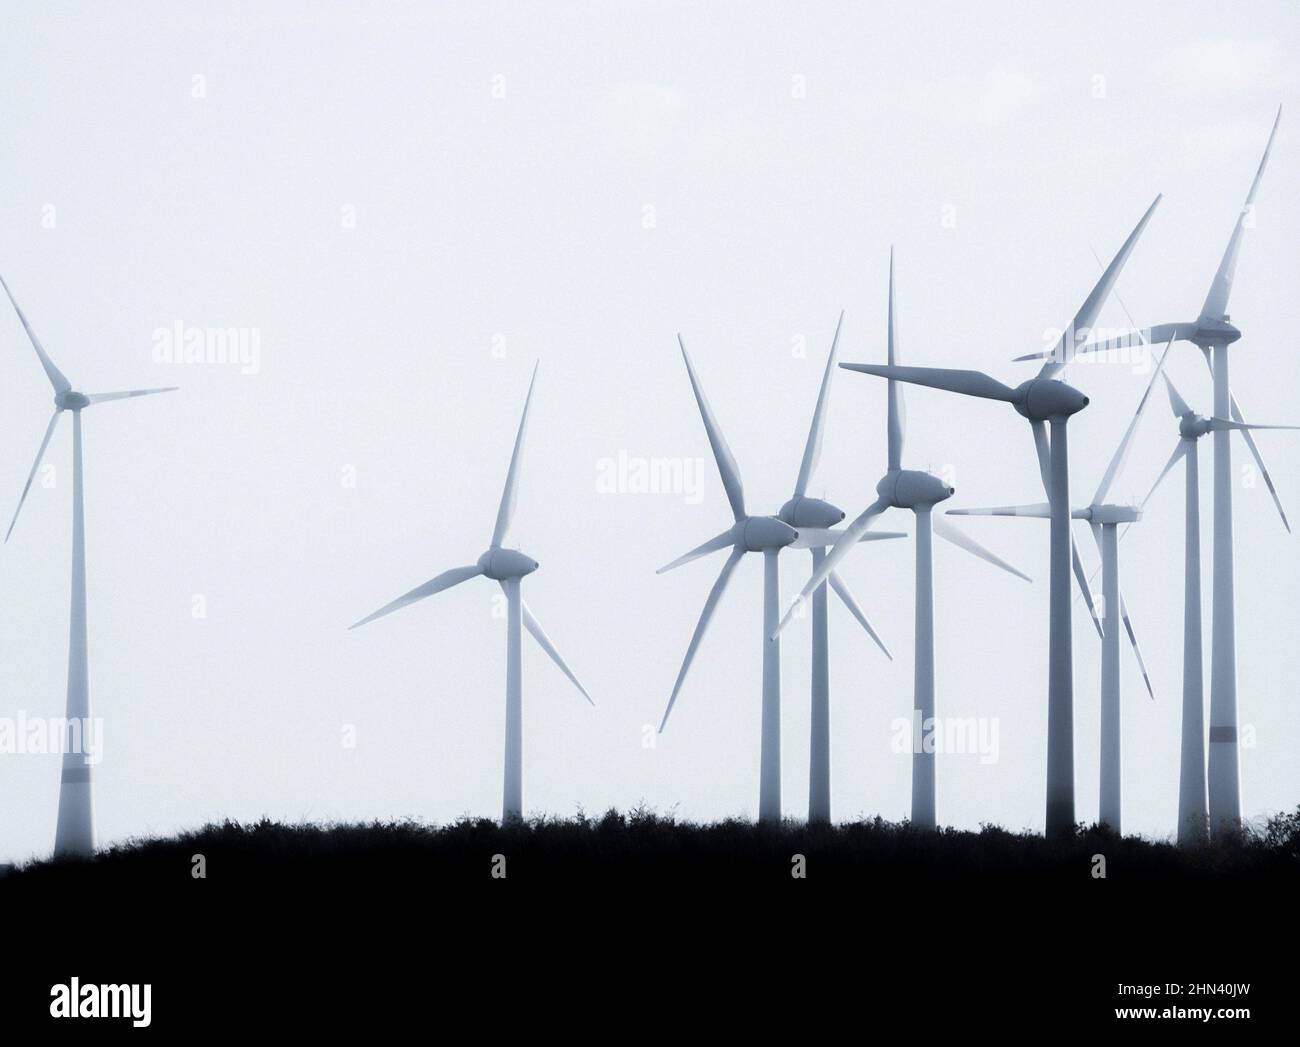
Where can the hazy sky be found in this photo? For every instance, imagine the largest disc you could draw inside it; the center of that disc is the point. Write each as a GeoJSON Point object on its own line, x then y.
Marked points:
{"type": "Point", "coordinates": [403, 206]}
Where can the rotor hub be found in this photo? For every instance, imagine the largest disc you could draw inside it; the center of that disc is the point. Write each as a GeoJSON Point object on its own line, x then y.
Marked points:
{"type": "Point", "coordinates": [762, 534]}
{"type": "Point", "coordinates": [810, 512]}
{"type": "Point", "coordinates": [913, 489]}
{"type": "Point", "coordinates": [71, 401]}
{"type": "Point", "coordinates": [1048, 400]}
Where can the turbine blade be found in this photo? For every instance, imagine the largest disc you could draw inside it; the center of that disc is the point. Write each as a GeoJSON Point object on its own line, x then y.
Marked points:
{"type": "Point", "coordinates": [435, 585]}
{"type": "Point", "coordinates": [539, 634]}
{"type": "Point", "coordinates": [851, 536]}
{"type": "Point", "coordinates": [507, 508]}
{"type": "Point", "coordinates": [1216, 302]}
{"type": "Point", "coordinates": [710, 605]}
{"type": "Point", "coordinates": [1121, 452]}
{"type": "Point", "coordinates": [1044, 452]}
{"type": "Point", "coordinates": [812, 451]}
{"type": "Point", "coordinates": [1133, 641]}
{"type": "Point", "coordinates": [1036, 510]}
{"type": "Point", "coordinates": [1184, 447]}
{"type": "Point", "coordinates": [842, 591]}
{"type": "Point", "coordinates": [896, 423]}
{"type": "Point", "coordinates": [820, 537]}
{"type": "Point", "coordinates": [1223, 423]}
{"type": "Point", "coordinates": [1176, 403]}
{"type": "Point", "coordinates": [61, 384]}
{"type": "Point", "coordinates": [45, 442]}
{"type": "Point", "coordinates": [99, 398]}
{"type": "Point", "coordinates": [946, 530]}
{"type": "Point", "coordinates": [1077, 332]}
{"type": "Point", "coordinates": [1081, 576]}
{"type": "Point", "coordinates": [1235, 408]}
{"type": "Point", "coordinates": [971, 383]}
{"type": "Point", "coordinates": [721, 541]}
{"type": "Point", "coordinates": [727, 468]}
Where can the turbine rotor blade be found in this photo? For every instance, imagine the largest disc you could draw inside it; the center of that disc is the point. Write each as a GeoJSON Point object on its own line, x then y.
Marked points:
{"type": "Point", "coordinates": [539, 634]}
{"type": "Point", "coordinates": [1081, 576]}
{"type": "Point", "coordinates": [1084, 319]}
{"type": "Point", "coordinates": [1224, 423]}
{"type": "Point", "coordinates": [1036, 510]}
{"type": "Point", "coordinates": [851, 536]}
{"type": "Point", "coordinates": [99, 398]}
{"type": "Point", "coordinates": [1216, 301]}
{"type": "Point", "coordinates": [945, 529]}
{"type": "Point", "coordinates": [1133, 642]}
{"type": "Point", "coordinates": [1184, 447]}
{"type": "Point", "coordinates": [45, 442]}
{"type": "Point", "coordinates": [1176, 403]}
{"type": "Point", "coordinates": [727, 468]}
{"type": "Point", "coordinates": [896, 420]}
{"type": "Point", "coordinates": [821, 537]}
{"type": "Point", "coordinates": [842, 591]}
{"type": "Point", "coordinates": [435, 585]}
{"type": "Point", "coordinates": [509, 494]}
{"type": "Point", "coordinates": [721, 541]}
{"type": "Point", "coordinates": [970, 383]}
{"type": "Point", "coordinates": [812, 451]}
{"type": "Point", "coordinates": [710, 605]}
{"type": "Point", "coordinates": [60, 383]}
{"type": "Point", "coordinates": [1259, 460]}
{"type": "Point", "coordinates": [1121, 452]}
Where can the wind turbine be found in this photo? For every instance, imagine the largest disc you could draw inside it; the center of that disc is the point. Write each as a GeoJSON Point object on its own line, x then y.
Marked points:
{"type": "Point", "coordinates": [75, 832]}
{"type": "Point", "coordinates": [1192, 807]}
{"type": "Point", "coordinates": [1040, 400]}
{"type": "Point", "coordinates": [769, 535]}
{"type": "Point", "coordinates": [1104, 519]}
{"type": "Point", "coordinates": [920, 492]}
{"type": "Point", "coordinates": [508, 567]}
{"type": "Point", "coordinates": [1213, 333]}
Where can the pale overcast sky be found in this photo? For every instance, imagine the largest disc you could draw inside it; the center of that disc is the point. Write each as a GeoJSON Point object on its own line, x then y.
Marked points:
{"type": "Point", "coordinates": [404, 206]}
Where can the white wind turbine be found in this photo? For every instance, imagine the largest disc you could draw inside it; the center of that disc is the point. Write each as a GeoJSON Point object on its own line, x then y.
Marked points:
{"type": "Point", "coordinates": [1193, 813]}
{"type": "Point", "coordinates": [75, 832]}
{"type": "Point", "coordinates": [769, 535]}
{"type": "Point", "coordinates": [919, 492]}
{"type": "Point", "coordinates": [1213, 333]}
{"type": "Point", "coordinates": [508, 567]}
{"type": "Point", "coordinates": [1104, 519]}
{"type": "Point", "coordinates": [1040, 400]}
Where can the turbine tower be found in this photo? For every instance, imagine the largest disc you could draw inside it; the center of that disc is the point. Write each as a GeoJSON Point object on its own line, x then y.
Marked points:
{"type": "Point", "coordinates": [75, 832]}
{"type": "Point", "coordinates": [1042, 400]}
{"type": "Point", "coordinates": [507, 567]}
{"type": "Point", "coordinates": [919, 492]}
{"type": "Point", "coordinates": [769, 535]}
{"type": "Point", "coordinates": [1193, 811]}
{"type": "Point", "coordinates": [1213, 333]}
{"type": "Point", "coordinates": [1104, 519]}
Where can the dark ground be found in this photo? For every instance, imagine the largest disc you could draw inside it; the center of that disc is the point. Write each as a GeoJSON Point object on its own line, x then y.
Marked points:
{"type": "Point", "coordinates": [658, 920]}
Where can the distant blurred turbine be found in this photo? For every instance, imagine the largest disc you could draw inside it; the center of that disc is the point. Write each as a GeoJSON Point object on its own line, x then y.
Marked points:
{"type": "Point", "coordinates": [920, 492]}
{"type": "Point", "coordinates": [75, 833]}
{"type": "Point", "coordinates": [1193, 813]}
{"type": "Point", "coordinates": [506, 566]}
{"type": "Point", "coordinates": [804, 523]}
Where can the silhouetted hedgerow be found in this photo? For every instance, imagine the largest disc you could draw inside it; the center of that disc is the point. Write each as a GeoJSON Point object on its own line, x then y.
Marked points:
{"type": "Point", "coordinates": [641, 847]}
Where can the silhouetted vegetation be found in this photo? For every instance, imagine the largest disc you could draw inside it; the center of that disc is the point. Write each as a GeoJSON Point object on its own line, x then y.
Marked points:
{"type": "Point", "coordinates": [643, 847]}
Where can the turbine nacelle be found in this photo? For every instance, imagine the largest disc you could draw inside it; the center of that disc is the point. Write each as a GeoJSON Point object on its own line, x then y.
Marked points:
{"type": "Point", "coordinates": [912, 489]}
{"type": "Point", "coordinates": [800, 511]}
{"type": "Point", "coordinates": [71, 401]}
{"type": "Point", "coordinates": [1210, 333]}
{"type": "Point", "coordinates": [764, 533]}
{"type": "Point", "coordinates": [1047, 400]}
{"type": "Point", "coordinates": [1108, 514]}
{"type": "Point", "coordinates": [502, 564]}
{"type": "Point", "coordinates": [1193, 426]}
